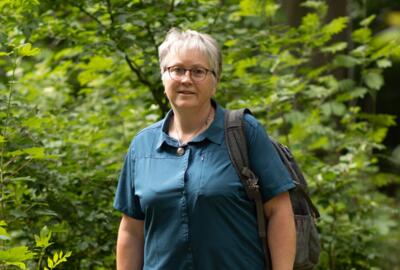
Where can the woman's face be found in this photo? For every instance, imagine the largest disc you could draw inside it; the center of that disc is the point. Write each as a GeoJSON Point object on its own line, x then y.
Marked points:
{"type": "Point", "coordinates": [187, 93]}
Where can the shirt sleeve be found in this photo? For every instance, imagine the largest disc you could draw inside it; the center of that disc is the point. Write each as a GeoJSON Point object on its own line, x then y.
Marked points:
{"type": "Point", "coordinates": [265, 162]}
{"type": "Point", "coordinates": [125, 199]}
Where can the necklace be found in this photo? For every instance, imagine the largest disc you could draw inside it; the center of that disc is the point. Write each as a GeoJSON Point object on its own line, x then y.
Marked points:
{"type": "Point", "coordinates": [181, 147]}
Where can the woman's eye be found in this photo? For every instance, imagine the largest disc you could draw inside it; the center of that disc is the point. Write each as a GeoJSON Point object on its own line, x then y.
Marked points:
{"type": "Point", "coordinates": [178, 70]}
{"type": "Point", "coordinates": [198, 71]}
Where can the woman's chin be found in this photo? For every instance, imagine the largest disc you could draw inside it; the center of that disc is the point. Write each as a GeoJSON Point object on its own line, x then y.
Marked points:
{"type": "Point", "coordinates": [186, 103]}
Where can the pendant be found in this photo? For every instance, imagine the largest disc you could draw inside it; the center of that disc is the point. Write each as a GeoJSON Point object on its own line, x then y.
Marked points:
{"type": "Point", "coordinates": [180, 151]}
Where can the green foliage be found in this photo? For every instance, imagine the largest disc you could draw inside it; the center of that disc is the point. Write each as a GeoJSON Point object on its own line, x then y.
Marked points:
{"type": "Point", "coordinates": [79, 78]}
{"type": "Point", "coordinates": [57, 259]}
{"type": "Point", "coordinates": [21, 255]}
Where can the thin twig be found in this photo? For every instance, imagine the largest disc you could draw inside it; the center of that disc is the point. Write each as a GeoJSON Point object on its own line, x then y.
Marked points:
{"type": "Point", "coordinates": [89, 15]}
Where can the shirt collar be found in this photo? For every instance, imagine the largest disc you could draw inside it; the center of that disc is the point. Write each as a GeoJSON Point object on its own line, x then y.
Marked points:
{"type": "Point", "coordinates": [214, 133]}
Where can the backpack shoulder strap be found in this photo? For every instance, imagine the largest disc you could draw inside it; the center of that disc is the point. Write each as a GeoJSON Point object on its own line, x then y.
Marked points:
{"type": "Point", "coordinates": [236, 139]}
{"type": "Point", "coordinates": [236, 143]}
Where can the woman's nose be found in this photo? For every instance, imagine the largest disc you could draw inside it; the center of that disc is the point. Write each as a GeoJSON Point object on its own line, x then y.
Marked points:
{"type": "Point", "coordinates": [187, 77]}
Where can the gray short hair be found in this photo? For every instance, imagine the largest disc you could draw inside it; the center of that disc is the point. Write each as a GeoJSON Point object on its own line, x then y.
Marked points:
{"type": "Point", "coordinates": [177, 40]}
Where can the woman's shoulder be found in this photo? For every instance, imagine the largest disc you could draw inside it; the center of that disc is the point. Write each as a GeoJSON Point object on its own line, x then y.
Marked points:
{"type": "Point", "coordinates": [153, 128]}
{"type": "Point", "coordinates": [253, 127]}
{"type": "Point", "coordinates": [251, 121]}
{"type": "Point", "coordinates": [147, 134]}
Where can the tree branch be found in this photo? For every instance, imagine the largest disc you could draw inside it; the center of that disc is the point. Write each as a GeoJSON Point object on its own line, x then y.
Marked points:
{"type": "Point", "coordinates": [135, 69]}
{"type": "Point", "coordinates": [110, 13]}
{"type": "Point", "coordinates": [151, 34]}
{"type": "Point", "coordinates": [132, 65]}
{"type": "Point", "coordinates": [80, 7]}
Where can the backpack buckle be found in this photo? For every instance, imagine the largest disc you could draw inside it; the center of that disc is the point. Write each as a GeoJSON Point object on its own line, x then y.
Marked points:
{"type": "Point", "coordinates": [251, 182]}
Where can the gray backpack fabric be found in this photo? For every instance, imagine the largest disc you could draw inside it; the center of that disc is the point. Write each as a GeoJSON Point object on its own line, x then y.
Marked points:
{"type": "Point", "coordinates": [308, 242]}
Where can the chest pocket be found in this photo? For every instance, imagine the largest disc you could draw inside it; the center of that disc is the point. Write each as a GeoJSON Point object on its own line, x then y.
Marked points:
{"type": "Point", "coordinates": [159, 181]}
{"type": "Point", "coordinates": [219, 177]}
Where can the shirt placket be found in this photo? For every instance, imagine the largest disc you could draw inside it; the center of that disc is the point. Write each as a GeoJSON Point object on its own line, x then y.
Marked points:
{"type": "Point", "coordinates": [185, 212]}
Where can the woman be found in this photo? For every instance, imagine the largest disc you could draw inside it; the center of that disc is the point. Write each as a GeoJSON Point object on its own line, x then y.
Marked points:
{"type": "Point", "coordinates": [183, 205]}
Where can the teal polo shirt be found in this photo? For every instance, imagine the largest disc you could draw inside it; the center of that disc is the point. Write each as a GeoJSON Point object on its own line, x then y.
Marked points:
{"type": "Point", "coordinates": [195, 210]}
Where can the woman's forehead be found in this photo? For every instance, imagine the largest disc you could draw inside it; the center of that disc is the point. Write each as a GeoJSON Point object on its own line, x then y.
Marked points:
{"type": "Point", "coordinates": [187, 56]}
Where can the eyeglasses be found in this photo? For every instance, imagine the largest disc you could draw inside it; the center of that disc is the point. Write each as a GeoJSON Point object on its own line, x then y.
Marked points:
{"type": "Point", "coordinates": [197, 74]}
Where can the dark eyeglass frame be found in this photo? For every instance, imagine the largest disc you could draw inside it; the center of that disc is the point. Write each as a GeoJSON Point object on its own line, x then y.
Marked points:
{"type": "Point", "coordinates": [190, 72]}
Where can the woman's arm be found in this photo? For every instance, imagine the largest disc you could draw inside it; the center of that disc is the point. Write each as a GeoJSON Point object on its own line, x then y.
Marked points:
{"type": "Point", "coordinates": [130, 244]}
{"type": "Point", "coordinates": [281, 231]}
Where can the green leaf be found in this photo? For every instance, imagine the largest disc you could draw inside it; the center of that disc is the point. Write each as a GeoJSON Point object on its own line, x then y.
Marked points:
{"type": "Point", "coordinates": [43, 241]}
{"type": "Point", "coordinates": [35, 152]}
{"type": "Point", "coordinates": [367, 21]}
{"type": "Point", "coordinates": [345, 61]}
{"type": "Point", "coordinates": [318, 6]}
{"type": "Point", "coordinates": [20, 265]}
{"type": "Point", "coordinates": [27, 50]}
{"type": "Point", "coordinates": [4, 234]}
{"type": "Point", "coordinates": [16, 153]}
{"type": "Point", "coordinates": [339, 46]}
{"type": "Point", "coordinates": [2, 139]}
{"type": "Point", "coordinates": [32, 122]}
{"type": "Point", "coordinates": [384, 63]}
{"type": "Point", "coordinates": [320, 143]}
{"type": "Point", "coordinates": [379, 134]}
{"type": "Point", "coordinates": [100, 63]}
{"type": "Point", "coordinates": [357, 92]}
{"type": "Point", "coordinates": [362, 35]}
{"type": "Point", "coordinates": [248, 8]}
{"type": "Point", "coordinates": [4, 54]}
{"type": "Point", "coordinates": [50, 263]}
{"type": "Point", "coordinates": [383, 179]}
{"type": "Point", "coordinates": [86, 77]}
{"type": "Point", "coordinates": [68, 52]}
{"type": "Point", "coordinates": [16, 254]}
{"type": "Point", "coordinates": [68, 254]}
{"type": "Point", "coordinates": [335, 26]}
{"type": "Point", "coordinates": [310, 23]}
{"type": "Point", "coordinates": [373, 79]}
{"type": "Point", "coordinates": [333, 108]}
{"type": "Point", "coordinates": [270, 9]}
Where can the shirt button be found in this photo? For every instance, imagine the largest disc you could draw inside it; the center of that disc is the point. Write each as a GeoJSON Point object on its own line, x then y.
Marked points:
{"type": "Point", "coordinates": [180, 151]}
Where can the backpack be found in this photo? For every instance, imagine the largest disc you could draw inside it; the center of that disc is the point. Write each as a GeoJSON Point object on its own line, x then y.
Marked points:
{"type": "Point", "coordinates": [308, 243]}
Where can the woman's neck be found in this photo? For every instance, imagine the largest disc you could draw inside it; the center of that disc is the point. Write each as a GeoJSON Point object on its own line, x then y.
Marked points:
{"type": "Point", "coordinates": [188, 123]}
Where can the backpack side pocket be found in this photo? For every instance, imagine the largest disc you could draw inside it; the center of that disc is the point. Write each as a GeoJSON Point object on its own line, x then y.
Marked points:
{"type": "Point", "coordinates": [307, 243]}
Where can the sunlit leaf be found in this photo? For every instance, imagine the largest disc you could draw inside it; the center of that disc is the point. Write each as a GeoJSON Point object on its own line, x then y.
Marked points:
{"type": "Point", "coordinates": [27, 50]}
{"type": "Point", "coordinates": [345, 61]}
{"type": "Point", "coordinates": [373, 79]}
{"type": "Point", "coordinates": [16, 254]}
{"type": "Point", "coordinates": [339, 46]}
{"type": "Point", "coordinates": [367, 21]}
{"type": "Point", "coordinates": [384, 63]}
{"type": "Point", "coordinates": [362, 35]}
{"type": "Point", "coordinates": [4, 234]}
{"type": "Point", "coordinates": [336, 26]}
{"type": "Point", "coordinates": [50, 263]}
{"type": "Point", "coordinates": [35, 152]}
